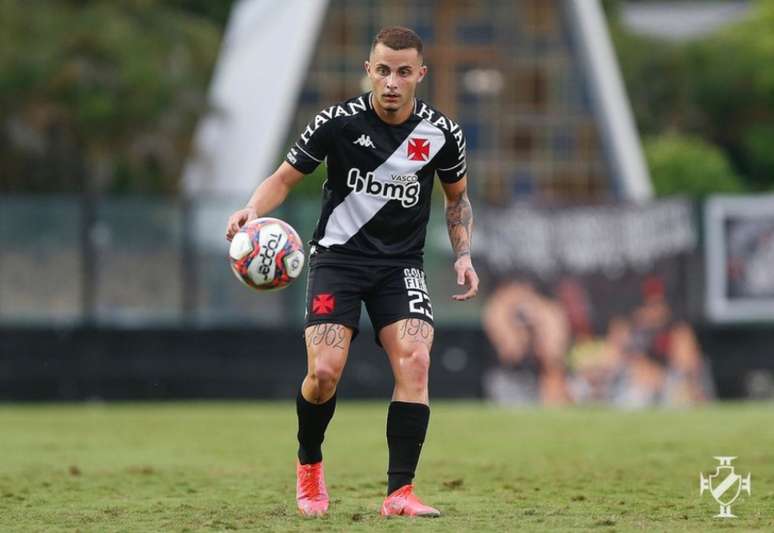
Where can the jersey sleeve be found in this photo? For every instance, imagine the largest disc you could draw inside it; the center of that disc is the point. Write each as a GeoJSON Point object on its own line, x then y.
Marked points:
{"type": "Point", "coordinates": [451, 160]}
{"type": "Point", "coordinates": [312, 146]}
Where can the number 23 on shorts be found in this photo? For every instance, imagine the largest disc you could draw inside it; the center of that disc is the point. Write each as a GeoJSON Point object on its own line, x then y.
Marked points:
{"type": "Point", "coordinates": [419, 302]}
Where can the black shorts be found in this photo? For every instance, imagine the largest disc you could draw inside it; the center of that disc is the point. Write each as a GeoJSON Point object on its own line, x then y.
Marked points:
{"type": "Point", "coordinates": [391, 292]}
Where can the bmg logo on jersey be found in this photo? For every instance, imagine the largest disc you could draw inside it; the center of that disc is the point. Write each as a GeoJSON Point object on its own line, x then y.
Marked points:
{"type": "Point", "coordinates": [400, 188]}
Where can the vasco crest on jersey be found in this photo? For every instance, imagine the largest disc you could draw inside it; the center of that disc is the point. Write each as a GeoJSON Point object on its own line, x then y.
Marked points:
{"type": "Point", "coordinates": [403, 187]}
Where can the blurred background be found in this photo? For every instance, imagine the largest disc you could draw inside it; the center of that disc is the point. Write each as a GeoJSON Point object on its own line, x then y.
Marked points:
{"type": "Point", "coordinates": [620, 167]}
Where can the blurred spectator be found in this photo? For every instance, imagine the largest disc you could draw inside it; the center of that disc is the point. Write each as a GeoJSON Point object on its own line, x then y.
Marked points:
{"type": "Point", "coordinates": [663, 359]}
{"type": "Point", "coordinates": [523, 324]}
{"type": "Point", "coordinates": [548, 351]}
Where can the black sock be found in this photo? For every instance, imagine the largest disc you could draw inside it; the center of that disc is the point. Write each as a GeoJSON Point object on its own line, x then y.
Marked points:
{"type": "Point", "coordinates": [406, 430]}
{"type": "Point", "coordinates": [312, 421]}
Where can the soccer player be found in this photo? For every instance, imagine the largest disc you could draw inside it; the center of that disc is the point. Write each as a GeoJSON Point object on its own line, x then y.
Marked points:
{"type": "Point", "coordinates": [382, 150]}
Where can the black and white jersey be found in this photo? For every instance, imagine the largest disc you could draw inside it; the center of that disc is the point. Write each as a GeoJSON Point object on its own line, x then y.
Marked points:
{"type": "Point", "coordinates": [376, 199]}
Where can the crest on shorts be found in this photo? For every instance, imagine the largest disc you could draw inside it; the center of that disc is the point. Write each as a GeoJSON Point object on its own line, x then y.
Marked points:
{"type": "Point", "coordinates": [323, 303]}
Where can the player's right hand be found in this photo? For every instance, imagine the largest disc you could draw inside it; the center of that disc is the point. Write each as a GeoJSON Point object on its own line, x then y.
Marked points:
{"type": "Point", "coordinates": [237, 220]}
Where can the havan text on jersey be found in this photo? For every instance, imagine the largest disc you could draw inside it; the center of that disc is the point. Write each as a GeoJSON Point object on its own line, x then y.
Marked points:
{"type": "Point", "coordinates": [334, 111]}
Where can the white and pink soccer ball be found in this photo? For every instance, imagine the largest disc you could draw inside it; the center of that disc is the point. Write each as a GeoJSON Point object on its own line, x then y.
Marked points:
{"type": "Point", "coordinates": [266, 254]}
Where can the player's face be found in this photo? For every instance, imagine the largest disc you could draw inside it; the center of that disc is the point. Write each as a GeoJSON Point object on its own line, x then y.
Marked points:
{"type": "Point", "coordinates": [394, 75]}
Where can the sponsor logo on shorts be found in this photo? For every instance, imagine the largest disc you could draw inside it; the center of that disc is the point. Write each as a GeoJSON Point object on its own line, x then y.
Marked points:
{"type": "Point", "coordinates": [414, 279]}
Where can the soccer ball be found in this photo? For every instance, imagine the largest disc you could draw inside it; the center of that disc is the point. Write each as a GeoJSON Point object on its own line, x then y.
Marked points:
{"type": "Point", "coordinates": [266, 254]}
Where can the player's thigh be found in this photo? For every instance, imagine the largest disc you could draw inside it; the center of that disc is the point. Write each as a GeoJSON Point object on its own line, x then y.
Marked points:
{"type": "Point", "coordinates": [401, 311]}
{"type": "Point", "coordinates": [408, 337]}
{"type": "Point", "coordinates": [333, 300]}
{"type": "Point", "coordinates": [327, 348]}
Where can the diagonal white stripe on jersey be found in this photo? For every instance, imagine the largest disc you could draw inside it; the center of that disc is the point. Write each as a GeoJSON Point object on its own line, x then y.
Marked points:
{"type": "Point", "coordinates": [358, 208]}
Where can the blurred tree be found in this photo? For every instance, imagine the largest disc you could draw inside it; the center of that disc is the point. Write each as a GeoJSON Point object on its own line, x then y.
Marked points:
{"type": "Point", "coordinates": [657, 80]}
{"type": "Point", "coordinates": [216, 10]}
{"type": "Point", "coordinates": [682, 165]}
{"type": "Point", "coordinates": [757, 153]}
{"type": "Point", "coordinates": [733, 81]}
{"type": "Point", "coordinates": [719, 88]}
{"type": "Point", "coordinates": [100, 94]}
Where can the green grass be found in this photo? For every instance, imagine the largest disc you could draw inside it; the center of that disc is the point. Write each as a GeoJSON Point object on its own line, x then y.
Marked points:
{"type": "Point", "coordinates": [230, 466]}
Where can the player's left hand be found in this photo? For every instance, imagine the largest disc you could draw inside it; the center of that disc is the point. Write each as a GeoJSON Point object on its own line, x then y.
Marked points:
{"type": "Point", "coordinates": [466, 275]}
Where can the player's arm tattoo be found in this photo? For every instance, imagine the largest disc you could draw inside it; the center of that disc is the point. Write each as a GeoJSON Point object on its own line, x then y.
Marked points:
{"type": "Point", "coordinates": [331, 335]}
{"type": "Point", "coordinates": [417, 330]}
{"type": "Point", "coordinates": [459, 221]}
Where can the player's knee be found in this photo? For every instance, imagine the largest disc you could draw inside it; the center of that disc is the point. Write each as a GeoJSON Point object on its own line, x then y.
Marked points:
{"type": "Point", "coordinates": [326, 375]}
{"type": "Point", "coordinates": [417, 363]}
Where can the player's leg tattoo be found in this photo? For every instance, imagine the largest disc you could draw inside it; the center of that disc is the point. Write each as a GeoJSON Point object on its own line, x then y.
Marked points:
{"type": "Point", "coordinates": [459, 222]}
{"type": "Point", "coordinates": [327, 348]}
{"type": "Point", "coordinates": [330, 335]}
{"type": "Point", "coordinates": [417, 330]}
{"type": "Point", "coordinates": [408, 343]}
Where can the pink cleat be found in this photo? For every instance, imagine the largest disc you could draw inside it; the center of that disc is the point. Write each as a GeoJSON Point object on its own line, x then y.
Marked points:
{"type": "Point", "coordinates": [311, 494]}
{"type": "Point", "coordinates": [404, 502]}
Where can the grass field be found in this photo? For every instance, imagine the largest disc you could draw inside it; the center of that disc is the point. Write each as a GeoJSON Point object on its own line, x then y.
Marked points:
{"type": "Point", "coordinates": [229, 466]}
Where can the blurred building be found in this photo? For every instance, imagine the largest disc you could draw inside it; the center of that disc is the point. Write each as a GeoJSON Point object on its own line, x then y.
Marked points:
{"type": "Point", "coordinates": [534, 84]}
{"type": "Point", "coordinates": [506, 70]}
{"type": "Point", "coordinates": [681, 21]}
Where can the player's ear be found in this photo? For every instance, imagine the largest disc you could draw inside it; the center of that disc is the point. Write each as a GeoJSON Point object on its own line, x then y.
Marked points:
{"type": "Point", "coordinates": [367, 67]}
{"type": "Point", "coordinates": [422, 73]}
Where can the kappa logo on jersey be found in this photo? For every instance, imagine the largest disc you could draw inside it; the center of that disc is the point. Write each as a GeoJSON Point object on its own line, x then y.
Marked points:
{"type": "Point", "coordinates": [402, 188]}
{"type": "Point", "coordinates": [364, 140]}
{"type": "Point", "coordinates": [418, 149]}
{"type": "Point", "coordinates": [323, 304]}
